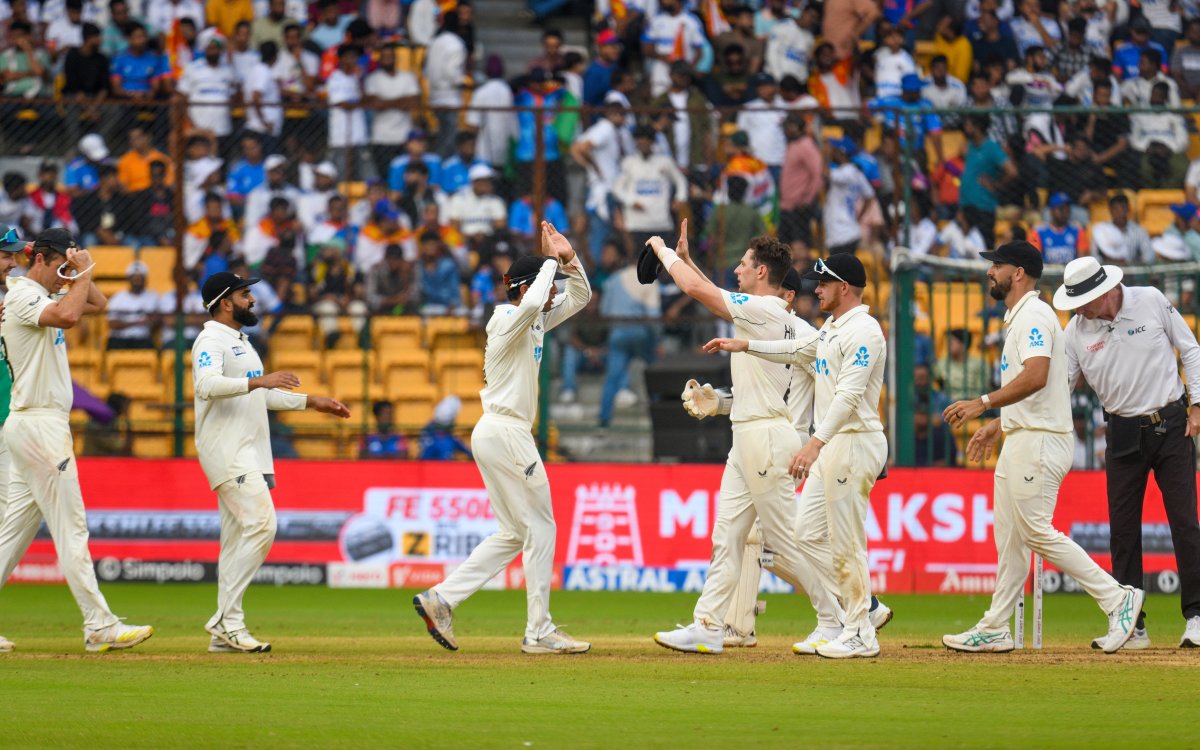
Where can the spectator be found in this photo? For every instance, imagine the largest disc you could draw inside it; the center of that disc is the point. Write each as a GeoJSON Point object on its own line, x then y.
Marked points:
{"type": "Point", "coordinates": [264, 115]}
{"type": "Point", "coordinates": [381, 232]}
{"type": "Point", "coordinates": [540, 99]}
{"type": "Point", "coordinates": [312, 206]}
{"type": "Point", "coordinates": [12, 202]}
{"type": "Point", "coordinates": [521, 217]}
{"type": "Point", "coordinates": [672, 34]}
{"type": "Point", "coordinates": [487, 283]}
{"type": "Point", "coordinates": [85, 82]}
{"type": "Point", "coordinates": [132, 312]}
{"type": "Point", "coordinates": [82, 174]}
{"type": "Point", "coordinates": [112, 37]}
{"type": "Point", "coordinates": [1060, 239]}
{"type": "Point", "coordinates": [225, 15]}
{"type": "Point", "coordinates": [742, 33]}
{"type": "Point", "coordinates": [586, 347]}
{"type": "Point", "coordinates": [762, 119]}
{"type": "Point", "coordinates": [1185, 229]}
{"type": "Point", "coordinates": [446, 73]}
{"type": "Point", "coordinates": [1127, 56]}
{"type": "Point", "coordinates": [648, 186]}
{"type": "Point", "coordinates": [1108, 135]}
{"type": "Point", "coordinates": [1039, 86]}
{"type": "Point", "coordinates": [269, 28]}
{"type": "Point", "coordinates": [240, 56]}
{"type": "Point", "coordinates": [892, 62]}
{"type": "Point", "coordinates": [258, 200]}
{"type": "Point", "coordinates": [389, 284]}
{"type": "Point", "coordinates": [600, 150]}
{"type": "Point", "coordinates": [494, 130]}
{"type": "Point", "coordinates": [329, 30]}
{"type": "Point", "coordinates": [1165, 19]}
{"type": "Point", "coordinates": [846, 22]}
{"type": "Point", "coordinates": [691, 129]}
{"type": "Point", "coordinates": [961, 240]}
{"type": "Point", "coordinates": [455, 170]}
{"type": "Point", "coordinates": [1072, 57]}
{"type": "Point", "coordinates": [211, 240]}
{"type": "Point", "coordinates": [139, 72]}
{"type": "Point", "coordinates": [297, 68]}
{"type": "Point", "coordinates": [960, 372]}
{"type": "Point", "coordinates": [247, 174]}
{"type": "Point", "coordinates": [392, 93]}
{"type": "Point", "coordinates": [384, 442]}
{"type": "Point", "coordinates": [333, 226]}
{"type": "Point", "coordinates": [437, 441]}
{"type": "Point", "coordinates": [1135, 92]}
{"type": "Point", "coordinates": [1082, 86]}
{"type": "Point", "coordinates": [278, 229]}
{"type": "Point", "coordinates": [422, 22]}
{"type": "Point", "coordinates": [770, 15]}
{"type": "Point", "coordinates": [729, 230]}
{"type": "Point", "coordinates": [1099, 26]}
{"type": "Point", "coordinates": [552, 56]}
{"type": "Point", "coordinates": [347, 119]}
{"type": "Point", "coordinates": [419, 195]}
{"type": "Point", "coordinates": [944, 91]}
{"type": "Point", "coordinates": [627, 306]}
{"type": "Point", "coordinates": [923, 232]}
{"type": "Point", "coordinates": [151, 220]}
{"type": "Point", "coordinates": [730, 86]}
{"type": "Point", "coordinates": [908, 109]}
{"type": "Point", "coordinates": [846, 200]}
{"type": "Point", "coordinates": [24, 67]}
{"type": "Point", "coordinates": [950, 42]}
{"type": "Point", "coordinates": [989, 42]}
{"type": "Point", "coordinates": [476, 210]}
{"type": "Point", "coordinates": [597, 79]}
{"type": "Point", "coordinates": [103, 213]}
{"type": "Point", "coordinates": [416, 150]}
{"type": "Point", "coordinates": [45, 206]}
{"type": "Point", "coordinates": [180, 48]}
{"type": "Point", "coordinates": [1185, 61]}
{"type": "Point", "coordinates": [790, 45]}
{"type": "Point", "coordinates": [835, 85]}
{"type": "Point", "coordinates": [194, 317]}
{"type": "Point", "coordinates": [1080, 177]}
{"type": "Point", "coordinates": [437, 278]}
{"type": "Point", "coordinates": [64, 32]}
{"type": "Point", "coordinates": [800, 183]}
{"type": "Point", "coordinates": [933, 442]}
{"type": "Point", "coordinates": [1128, 238]}
{"type": "Point", "coordinates": [334, 291]}
{"type": "Point", "coordinates": [741, 161]}
{"type": "Point", "coordinates": [1035, 28]}
{"type": "Point", "coordinates": [133, 168]}
{"type": "Point", "coordinates": [1161, 140]}
{"type": "Point", "coordinates": [986, 168]}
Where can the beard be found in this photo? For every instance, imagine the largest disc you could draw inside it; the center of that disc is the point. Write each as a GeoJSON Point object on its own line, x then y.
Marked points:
{"type": "Point", "coordinates": [1000, 290]}
{"type": "Point", "coordinates": [244, 316]}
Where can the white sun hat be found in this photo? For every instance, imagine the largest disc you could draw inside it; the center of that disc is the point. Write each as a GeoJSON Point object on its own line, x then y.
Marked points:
{"type": "Point", "coordinates": [1084, 280]}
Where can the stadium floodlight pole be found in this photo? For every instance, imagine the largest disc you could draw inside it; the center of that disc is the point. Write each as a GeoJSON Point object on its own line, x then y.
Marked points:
{"type": "Point", "coordinates": [176, 112]}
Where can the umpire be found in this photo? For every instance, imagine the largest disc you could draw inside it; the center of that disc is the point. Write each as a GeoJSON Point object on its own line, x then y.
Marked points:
{"type": "Point", "coordinates": [1123, 342]}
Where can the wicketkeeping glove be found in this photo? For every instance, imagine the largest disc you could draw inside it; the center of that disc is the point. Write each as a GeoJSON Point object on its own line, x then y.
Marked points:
{"type": "Point", "coordinates": [702, 401]}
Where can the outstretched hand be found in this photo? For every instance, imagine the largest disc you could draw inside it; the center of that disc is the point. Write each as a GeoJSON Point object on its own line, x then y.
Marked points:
{"type": "Point", "coordinates": [726, 345]}
{"type": "Point", "coordinates": [327, 405]}
{"type": "Point", "coordinates": [555, 244]}
{"type": "Point", "coordinates": [681, 247]}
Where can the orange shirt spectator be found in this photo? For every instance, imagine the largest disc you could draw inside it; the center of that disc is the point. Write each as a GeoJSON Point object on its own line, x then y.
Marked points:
{"type": "Point", "coordinates": [133, 169]}
{"type": "Point", "coordinates": [227, 14]}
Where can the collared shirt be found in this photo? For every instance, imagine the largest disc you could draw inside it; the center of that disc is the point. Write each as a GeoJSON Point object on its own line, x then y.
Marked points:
{"type": "Point", "coordinates": [129, 307]}
{"type": "Point", "coordinates": [1031, 329]}
{"type": "Point", "coordinates": [761, 385]}
{"type": "Point", "coordinates": [1130, 360]}
{"type": "Point", "coordinates": [515, 337]}
{"type": "Point", "coordinates": [232, 436]}
{"type": "Point", "coordinates": [802, 387]}
{"type": "Point", "coordinates": [36, 354]}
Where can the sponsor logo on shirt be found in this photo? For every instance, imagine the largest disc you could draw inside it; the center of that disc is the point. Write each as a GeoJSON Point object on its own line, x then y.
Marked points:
{"type": "Point", "coordinates": [204, 360]}
{"type": "Point", "coordinates": [1136, 331]}
{"type": "Point", "coordinates": [60, 337]}
{"type": "Point", "coordinates": [238, 351]}
{"type": "Point", "coordinates": [537, 354]}
{"type": "Point", "coordinates": [1036, 339]}
{"type": "Point", "coordinates": [739, 299]}
{"type": "Point", "coordinates": [1096, 347]}
{"type": "Point", "coordinates": [1003, 362]}
{"type": "Point", "coordinates": [254, 373]}
{"type": "Point", "coordinates": [821, 365]}
{"type": "Point", "coordinates": [862, 357]}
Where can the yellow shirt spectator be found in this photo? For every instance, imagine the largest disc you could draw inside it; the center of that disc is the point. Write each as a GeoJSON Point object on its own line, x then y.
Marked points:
{"type": "Point", "coordinates": [226, 14]}
{"type": "Point", "coordinates": [950, 42]}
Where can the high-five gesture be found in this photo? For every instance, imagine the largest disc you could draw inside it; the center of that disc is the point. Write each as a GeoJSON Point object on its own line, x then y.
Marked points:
{"type": "Point", "coordinates": [555, 244]}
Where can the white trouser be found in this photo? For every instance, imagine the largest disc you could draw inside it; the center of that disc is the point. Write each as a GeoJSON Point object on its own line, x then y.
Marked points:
{"type": "Point", "coordinates": [519, 493]}
{"type": "Point", "coordinates": [44, 483]}
{"type": "Point", "coordinates": [841, 483]}
{"type": "Point", "coordinates": [1030, 470]}
{"type": "Point", "coordinates": [5, 463]}
{"type": "Point", "coordinates": [756, 485]}
{"type": "Point", "coordinates": [247, 532]}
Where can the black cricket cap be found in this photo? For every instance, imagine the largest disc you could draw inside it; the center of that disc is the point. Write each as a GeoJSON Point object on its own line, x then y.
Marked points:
{"type": "Point", "coordinates": [222, 284]}
{"type": "Point", "coordinates": [1020, 254]}
{"type": "Point", "coordinates": [526, 268]}
{"type": "Point", "coordinates": [58, 240]}
{"type": "Point", "coordinates": [840, 267]}
{"type": "Point", "coordinates": [9, 241]}
{"type": "Point", "coordinates": [791, 280]}
{"type": "Point", "coordinates": [648, 266]}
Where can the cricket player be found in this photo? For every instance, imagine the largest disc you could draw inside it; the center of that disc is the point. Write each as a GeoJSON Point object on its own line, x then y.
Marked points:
{"type": "Point", "coordinates": [755, 484]}
{"type": "Point", "coordinates": [1035, 417]}
{"type": "Point", "coordinates": [812, 532]}
{"type": "Point", "coordinates": [43, 476]}
{"type": "Point", "coordinates": [232, 397]}
{"type": "Point", "coordinates": [847, 450]}
{"type": "Point", "coordinates": [503, 445]}
{"type": "Point", "coordinates": [10, 244]}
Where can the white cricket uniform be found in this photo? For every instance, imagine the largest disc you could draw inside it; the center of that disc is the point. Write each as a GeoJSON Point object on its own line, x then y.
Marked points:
{"type": "Point", "coordinates": [849, 367]}
{"type": "Point", "coordinates": [756, 484]}
{"type": "Point", "coordinates": [502, 442]}
{"type": "Point", "coordinates": [44, 476]}
{"type": "Point", "coordinates": [1039, 445]}
{"type": "Point", "coordinates": [209, 89]}
{"type": "Point", "coordinates": [233, 442]}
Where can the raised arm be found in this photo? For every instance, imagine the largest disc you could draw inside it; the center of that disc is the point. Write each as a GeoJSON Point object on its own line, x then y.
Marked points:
{"type": "Point", "coordinates": [689, 279]}
{"type": "Point", "coordinates": [66, 312]}
{"type": "Point", "coordinates": [578, 291]}
{"type": "Point", "coordinates": [798, 351]}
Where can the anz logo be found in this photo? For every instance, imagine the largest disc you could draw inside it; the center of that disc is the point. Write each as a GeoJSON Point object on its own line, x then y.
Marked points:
{"type": "Point", "coordinates": [1003, 362]}
{"type": "Point", "coordinates": [537, 354]}
{"type": "Point", "coordinates": [204, 360]}
{"type": "Point", "coordinates": [739, 299]}
{"type": "Point", "coordinates": [821, 365]}
{"type": "Point", "coordinates": [254, 373]}
{"type": "Point", "coordinates": [862, 357]}
{"type": "Point", "coordinates": [1036, 339]}
{"type": "Point", "coordinates": [60, 337]}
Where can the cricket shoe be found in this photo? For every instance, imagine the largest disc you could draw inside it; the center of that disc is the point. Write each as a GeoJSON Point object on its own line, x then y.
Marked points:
{"type": "Point", "coordinates": [815, 639]}
{"type": "Point", "coordinates": [693, 639]}
{"type": "Point", "coordinates": [438, 616]}
{"type": "Point", "coordinates": [977, 640]}
{"type": "Point", "coordinates": [557, 642]}
{"type": "Point", "coordinates": [234, 641]}
{"type": "Point", "coordinates": [850, 646]}
{"type": "Point", "coordinates": [1122, 621]}
{"type": "Point", "coordinates": [6, 645]}
{"type": "Point", "coordinates": [734, 639]}
{"type": "Point", "coordinates": [881, 615]}
{"type": "Point", "coordinates": [116, 637]}
{"type": "Point", "coordinates": [1190, 639]}
{"type": "Point", "coordinates": [1139, 641]}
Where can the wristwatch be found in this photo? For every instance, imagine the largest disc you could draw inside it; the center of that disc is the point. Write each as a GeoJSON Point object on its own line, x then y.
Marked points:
{"type": "Point", "coordinates": [987, 402]}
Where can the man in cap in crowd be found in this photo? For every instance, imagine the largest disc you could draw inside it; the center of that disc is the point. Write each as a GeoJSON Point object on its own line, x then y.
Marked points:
{"type": "Point", "coordinates": [1035, 416]}
{"type": "Point", "coordinates": [82, 173]}
{"type": "Point", "coordinates": [476, 210]}
{"type": "Point", "coordinates": [233, 442]}
{"type": "Point", "coordinates": [43, 481]}
{"type": "Point", "coordinates": [847, 199]}
{"type": "Point", "coordinates": [508, 459]}
{"type": "Point", "coordinates": [1121, 240]}
{"type": "Point", "coordinates": [258, 202]}
{"type": "Point", "coordinates": [10, 245]}
{"type": "Point", "coordinates": [131, 312]}
{"type": "Point", "coordinates": [1123, 341]}
{"type": "Point", "coordinates": [912, 116]}
{"type": "Point", "coordinates": [1060, 240]}
{"type": "Point", "coordinates": [210, 85]}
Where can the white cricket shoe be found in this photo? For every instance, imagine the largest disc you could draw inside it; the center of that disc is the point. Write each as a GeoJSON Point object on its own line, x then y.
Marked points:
{"type": "Point", "coordinates": [116, 637]}
{"type": "Point", "coordinates": [557, 642]}
{"type": "Point", "coordinates": [234, 641]}
{"type": "Point", "coordinates": [1190, 639]}
{"type": "Point", "coordinates": [734, 639]}
{"type": "Point", "coordinates": [693, 639]}
{"type": "Point", "coordinates": [816, 639]}
{"type": "Point", "coordinates": [850, 646]}
{"type": "Point", "coordinates": [1122, 621]}
{"type": "Point", "coordinates": [438, 616]}
{"type": "Point", "coordinates": [880, 616]}
{"type": "Point", "coordinates": [1139, 641]}
{"type": "Point", "coordinates": [6, 645]}
{"type": "Point", "coordinates": [977, 640]}
{"type": "Point", "coordinates": [625, 399]}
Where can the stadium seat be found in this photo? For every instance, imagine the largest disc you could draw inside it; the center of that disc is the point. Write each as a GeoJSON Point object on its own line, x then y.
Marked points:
{"type": "Point", "coordinates": [955, 305]}
{"type": "Point", "coordinates": [161, 262]}
{"type": "Point", "coordinates": [402, 369]}
{"type": "Point", "coordinates": [313, 447]}
{"type": "Point", "coordinates": [347, 339]}
{"type": "Point", "coordinates": [111, 260]}
{"type": "Point", "coordinates": [458, 371]}
{"type": "Point", "coordinates": [306, 365]}
{"type": "Point", "coordinates": [85, 366]}
{"type": "Point", "coordinates": [167, 374]}
{"type": "Point", "coordinates": [414, 406]}
{"type": "Point", "coordinates": [1154, 209]}
{"type": "Point", "coordinates": [472, 410]}
{"type": "Point", "coordinates": [294, 334]}
{"type": "Point", "coordinates": [131, 369]}
{"type": "Point", "coordinates": [346, 372]}
{"type": "Point", "coordinates": [924, 51]}
{"type": "Point", "coordinates": [353, 191]}
{"type": "Point", "coordinates": [395, 333]}
{"type": "Point", "coordinates": [441, 333]}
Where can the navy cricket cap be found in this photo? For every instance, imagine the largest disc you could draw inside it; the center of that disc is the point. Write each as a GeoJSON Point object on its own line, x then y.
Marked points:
{"type": "Point", "coordinates": [222, 284]}
{"type": "Point", "coordinates": [57, 239]}
{"type": "Point", "coordinates": [526, 268]}
{"type": "Point", "coordinates": [840, 267]}
{"type": "Point", "coordinates": [648, 266]}
{"type": "Point", "coordinates": [791, 280]}
{"type": "Point", "coordinates": [1020, 254]}
{"type": "Point", "coordinates": [9, 241]}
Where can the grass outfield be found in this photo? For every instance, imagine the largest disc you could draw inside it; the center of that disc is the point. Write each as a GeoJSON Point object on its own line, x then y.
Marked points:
{"type": "Point", "coordinates": [356, 669]}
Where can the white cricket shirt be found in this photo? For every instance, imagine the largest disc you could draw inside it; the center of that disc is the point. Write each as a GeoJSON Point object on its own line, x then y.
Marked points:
{"type": "Point", "coordinates": [127, 306]}
{"type": "Point", "coordinates": [391, 126]}
{"type": "Point", "coordinates": [847, 187]}
{"type": "Point", "coordinates": [36, 354]}
{"type": "Point", "coordinates": [1130, 360]}
{"type": "Point", "coordinates": [761, 386]}
{"type": "Point", "coordinates": [515, 337]}
{"type": "Point", "coordinates": [346, 127]}
{"type": "Point", "coordinates": [232, 437]}
{"type": "Point", "coordinates": [652, 184]}
{"type": "Point", "coordinates": [1031, 329]}
{"type": "Point", "coordinates": [763, 123]}
{"type": "Point", "coordinates": [209, 90]}
{"type": "Point", "coordinates": [802, 387]}
{"type": "Point", "coordinates": [261, 80]}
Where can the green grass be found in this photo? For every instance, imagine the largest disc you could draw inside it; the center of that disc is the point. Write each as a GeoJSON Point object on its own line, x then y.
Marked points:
{"type": "Point", "coordinates": [356, 669]}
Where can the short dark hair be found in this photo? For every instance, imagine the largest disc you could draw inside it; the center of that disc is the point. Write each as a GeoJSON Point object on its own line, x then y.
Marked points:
{"type": "Point", "coordinates": [158, 165]}
{"type": "Point", "coordinates": [1103, 83]}
{"type": "Point", "coordinates": [736, 187]}
{"type": "Point", "coordinates": [463, 136]}
{"type": "Point", "coordinates": [241, 24]}
{"type": "Point", "coordinates": [293, 27]}
{"type": "Point", "coordinates": [13, 180]}
{"type": "Point", "coordinates": [211, 197]}
{"type": "Point", "coordinates": [776, 256]}
{"type": "Point", "coordinates": [1119, 198]}
{"type": "Point", "coordinates": [429, 235]}
{"type": "Point", "coordinates": [1162, 86]}
{"type": "Point", "coordinates": [733, 49]}
{"type": "Point", "coordinates": [1152, 54]}
{"type": "Point", "coordinates": [552, 34]}
{"type": "Point", "coordinates": [130, 27]}
{"type": "Point", "coordinates": [981, 120]}
{"type": "Point", "coordinates": [279, 202]}
{"type": "Point", "coordinates": [379, 406]}
{"type": "Point", "coordinates": [571, 59]}
{"type": "Point", "coordinates": [90, 30]}
{"type": "Point", "coordinates": [962, 334]}
{"type": "Point", "coordinates": [939, 59]}
{"type": "Point", "coordinates": [1031, 51]}
{"type": "Point", "coordinates": [20, 26]}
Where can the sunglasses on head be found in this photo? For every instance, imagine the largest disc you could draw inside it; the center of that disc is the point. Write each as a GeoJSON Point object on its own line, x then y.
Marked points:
{"type": "Point", "coordinates": [823, 269]}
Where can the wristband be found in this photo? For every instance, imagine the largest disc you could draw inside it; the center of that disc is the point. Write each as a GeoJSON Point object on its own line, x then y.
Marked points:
{"type": "Point", "coordinates": [668, 259]}
{"type": "Point", "coordinates": [987, 401]}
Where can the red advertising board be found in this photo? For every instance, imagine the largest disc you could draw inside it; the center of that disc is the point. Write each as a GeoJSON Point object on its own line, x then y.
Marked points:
{"type": "Point", "coordinates": [641, 527]}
